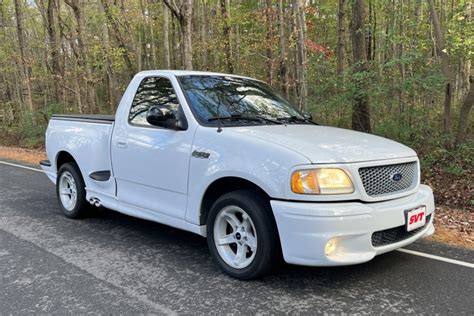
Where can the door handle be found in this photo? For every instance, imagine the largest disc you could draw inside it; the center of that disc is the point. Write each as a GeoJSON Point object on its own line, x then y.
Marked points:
{"type": "Point", "coordinates": [122, 144]}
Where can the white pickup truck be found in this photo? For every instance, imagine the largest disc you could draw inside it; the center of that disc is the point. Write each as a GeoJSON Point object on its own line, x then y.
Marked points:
{"type": "Point", "coordinates": [225, 157]}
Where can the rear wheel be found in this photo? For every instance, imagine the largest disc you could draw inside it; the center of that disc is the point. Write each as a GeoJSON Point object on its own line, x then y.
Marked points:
{"type": "Point", "coordinates": [242, 235]}
{"type": "Point", "coordinates": [70, 191]}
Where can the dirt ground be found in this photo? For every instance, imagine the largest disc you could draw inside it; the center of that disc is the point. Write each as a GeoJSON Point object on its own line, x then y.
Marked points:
{"type": "Point", "coordinates": [454, 226]}
{"type": "Point", "coordinates": [31, 156]}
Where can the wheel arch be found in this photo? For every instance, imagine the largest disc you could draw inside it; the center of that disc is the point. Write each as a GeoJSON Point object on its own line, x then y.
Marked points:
{"type": "Point", "coordinates": [224, 185]}
{"type": "Point", "coordinates": [63, 157]}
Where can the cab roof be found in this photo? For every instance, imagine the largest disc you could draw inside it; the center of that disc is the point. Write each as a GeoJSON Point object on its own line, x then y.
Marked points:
{"type": "Point", "coordinates": [178, 73]}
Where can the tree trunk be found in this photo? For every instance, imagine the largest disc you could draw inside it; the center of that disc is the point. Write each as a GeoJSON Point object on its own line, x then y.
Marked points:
{"type": "Point", "coordinates": [17, 78]}
{"type": "Point", "coordinates": [283, 75]}
{"type": "Point", "coordinates": [21, 44]}
{"type": "Point", "coordinates": [441, 51]}
{"type": "Point", "coordinates": [293, 56]}
{"type": "Point", "coordinates": [236, 46]}
{"type": "Point", "coordinates": [374, 34]}
{"type": "Point", "coordinates": [269, 36]}
{"type": "Point", "coordinates": [226, 35]}
{"type": "Point", "coordinates": [401, 64]}
{"type": "Point", "coordinates": [119, 38]}
{"type": "Point", "coordinates": [54, 49]}
{"type": "Point", "coordinates": [83, 62]}
{"type": "Point", "coordinates": [166, 40]}
{"type": "Point", "coordinates": [368, 32]}
{"type": "Point", "coordinates": [153, 37]}
{"type": "Point", "coordinates": [77, 89]}
{"type": "Point", "coordinates": [174, 56]}
{"type": "Point", "coordinates": [411, 67]}
{"type": "Point", "coordinates": [186, 29]}
{"type": "Point", "coordinates": [183, 14]}
{"type": "Point", "coordinates": [341, 37]}
{"type": "Point", "coordinates": [301, 54]}
{"type": "Point", "coordinates": [360, 102]}
{"type": "Point", "coordinates": [465, 61]}
{"type": "Point", "coordinates": [464, 114]}
{"type": "Point", "coordinates": [142, 59]}
{"type": "Point", "coordinates": [112, 84]}
{"type": "Point", "coordinates": [204, 35]}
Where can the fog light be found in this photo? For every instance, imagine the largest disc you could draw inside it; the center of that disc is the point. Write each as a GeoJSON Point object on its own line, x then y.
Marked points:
{"type": "Point", "coordinates": [330, 247]}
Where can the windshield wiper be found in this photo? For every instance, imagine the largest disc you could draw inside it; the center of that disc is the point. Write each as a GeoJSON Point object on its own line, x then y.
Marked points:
{"type": "Point", "coordinates": [294, 119]}
{"type": "Point", "coordinates": [236, 117]}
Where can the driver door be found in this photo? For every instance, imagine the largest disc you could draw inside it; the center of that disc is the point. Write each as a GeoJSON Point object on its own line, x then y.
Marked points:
{"type": "Point", "coordinates": [151, 163]}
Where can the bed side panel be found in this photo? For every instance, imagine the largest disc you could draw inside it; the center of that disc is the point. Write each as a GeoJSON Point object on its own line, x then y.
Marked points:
{"type": "Point", "coordinates": [89, 145]}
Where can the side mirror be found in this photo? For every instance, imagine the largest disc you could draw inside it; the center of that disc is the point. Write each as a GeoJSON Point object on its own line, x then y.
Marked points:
{"type": "Point", "coordinates": [308, 116]}
{"type": "Point", "coordinates": [161, 117]}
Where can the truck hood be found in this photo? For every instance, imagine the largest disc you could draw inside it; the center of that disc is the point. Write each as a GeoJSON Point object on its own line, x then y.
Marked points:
{"type": "Point", "coordinates": [322, 144]}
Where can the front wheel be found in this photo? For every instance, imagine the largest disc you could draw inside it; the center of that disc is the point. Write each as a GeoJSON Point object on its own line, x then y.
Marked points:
{"type": "Point", "coordinates": [242, 235]}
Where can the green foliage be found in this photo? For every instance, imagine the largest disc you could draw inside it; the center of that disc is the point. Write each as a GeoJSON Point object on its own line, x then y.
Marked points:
{"type": "Point", "coordinates": [32, 126]}
{"type": "Point", "coordinates": [53, 108]}
{"type": "Point", "coordinates": [455, 161]}
{"type": "Point", "coordinates": [404, 83]}
{"type": "Point", "coordinates": [460, 34]}
{"type": "Point", "coordinates": [31, 132]}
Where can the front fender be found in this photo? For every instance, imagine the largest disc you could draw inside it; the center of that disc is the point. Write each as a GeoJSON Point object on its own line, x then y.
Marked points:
{"type": "Point", "coordinates": [231, 154]}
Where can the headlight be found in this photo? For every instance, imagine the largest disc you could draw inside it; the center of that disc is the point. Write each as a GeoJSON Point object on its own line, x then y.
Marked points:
{"type": "Point", "coordinates": [321, 181]}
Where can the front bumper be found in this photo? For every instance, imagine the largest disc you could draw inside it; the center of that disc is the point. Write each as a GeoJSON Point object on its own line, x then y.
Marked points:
{"type": "Point", "coordinates": [305, 228]}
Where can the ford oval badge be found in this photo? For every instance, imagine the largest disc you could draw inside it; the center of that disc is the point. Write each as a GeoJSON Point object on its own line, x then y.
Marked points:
{"type": "Point", "coordinates": [397, 176]}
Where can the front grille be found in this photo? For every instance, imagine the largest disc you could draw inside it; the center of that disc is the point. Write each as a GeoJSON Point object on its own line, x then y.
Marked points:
{"type": "Point", "coordinates": [396, 234]}
{"type": "Point", "coordinates": [379, 180]}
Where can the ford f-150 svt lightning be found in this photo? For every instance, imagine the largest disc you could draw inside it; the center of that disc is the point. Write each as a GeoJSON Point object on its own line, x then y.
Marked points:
{"type": "Point", "coordinates": [225, 157]}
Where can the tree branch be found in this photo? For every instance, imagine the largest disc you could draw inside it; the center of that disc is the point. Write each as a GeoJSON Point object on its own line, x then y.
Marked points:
{"type": "Point", "coordinates": [171, 4]}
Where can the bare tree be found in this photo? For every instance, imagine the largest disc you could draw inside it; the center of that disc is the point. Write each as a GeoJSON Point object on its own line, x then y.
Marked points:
{"type": "Point", "coordinates": [226, 34]}
{"type": "Point", "coordinates": [283, 72]}
{"type": "Point", "coordinates": [360, 100]}
{"type": "Point", "coordinates": [54, 47]}
{"type": "Point", "coordinates": [112, 82]}
{"type": "Point", "coordinates": [466, 84]}
{"type": "Point", "coordinates": [300, 29]}
{"type": "Point", "coordinates": [464, 114]}
{"type": "Point", "coordinates": [341, 37]}
{"type": "Point", "coordinates": [465, 61]}
{"type": "Point", "coordinates": [443, 55]}
{"type": "Point", "coordinates": [166, 40]}
{"type": "Point", "coordinates": [183, 10]}
{"type": "Point", "coordinates": [118, 37]}
{"type": "Point", "coordinates": [21, 43]}
{"type": "Point", "coordinates": [76, 7]}
{"type": "Point", "coordinates": [269, 35]}
{"type": "Point", "coordinates": [204, 29]}
{"type": "Point", "coordinates": [401, 65]}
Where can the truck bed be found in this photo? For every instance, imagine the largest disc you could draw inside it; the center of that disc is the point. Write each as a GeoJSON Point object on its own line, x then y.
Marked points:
{"type": "Point", "coordinates": [85, 118]}
{"type": "Point", "coordinates": [87, 139]}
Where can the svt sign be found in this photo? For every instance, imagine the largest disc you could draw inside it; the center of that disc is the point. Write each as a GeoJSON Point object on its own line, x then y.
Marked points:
{"type": "Point", "coordinates": [415, 218]}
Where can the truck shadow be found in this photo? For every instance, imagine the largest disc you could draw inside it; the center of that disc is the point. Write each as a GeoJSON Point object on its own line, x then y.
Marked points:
{"type": "Point", "coordinates": [190, 251]}
{"type": "Point", "coordinates": [174, 267]}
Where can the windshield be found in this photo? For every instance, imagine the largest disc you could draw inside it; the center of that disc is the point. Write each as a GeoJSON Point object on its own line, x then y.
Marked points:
{"type": "Point", "coordinates": [236, 101]}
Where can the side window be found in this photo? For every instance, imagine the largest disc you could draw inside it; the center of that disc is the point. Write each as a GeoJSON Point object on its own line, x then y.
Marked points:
{"type": "Point", "coordinates": [152, 91]}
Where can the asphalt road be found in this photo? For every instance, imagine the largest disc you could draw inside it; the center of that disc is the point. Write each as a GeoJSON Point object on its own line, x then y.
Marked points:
{"type": "Point", "coordinates": [112, 263]}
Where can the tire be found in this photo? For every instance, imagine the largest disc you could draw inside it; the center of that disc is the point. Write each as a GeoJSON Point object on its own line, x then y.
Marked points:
{"type": "Point", "coordinates": [73, 205]}
{"type": "Point", "coordinates": [259, 238]}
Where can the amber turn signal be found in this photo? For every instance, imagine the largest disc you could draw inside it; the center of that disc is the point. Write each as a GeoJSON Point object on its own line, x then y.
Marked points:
{"type": "Point", "coordinates": [321, 181]}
